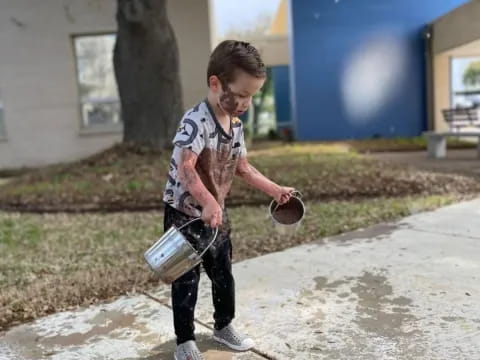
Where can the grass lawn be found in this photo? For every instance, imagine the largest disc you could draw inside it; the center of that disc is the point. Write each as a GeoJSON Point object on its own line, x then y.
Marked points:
{"type": "Point", "coordinates": [416, 143]}
{"type": "Point", "coordinates": [55, 262]}
{"type": "Point", "coordinates": [60, 260]}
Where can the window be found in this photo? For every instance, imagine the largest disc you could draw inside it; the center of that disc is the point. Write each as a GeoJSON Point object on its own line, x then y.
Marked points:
{"type": "Point", "coordinates": [3, 131]}
{"type": "Point", "coordinates": [100, 105]}
{"type": "Point", "coordinates": [465, 81]}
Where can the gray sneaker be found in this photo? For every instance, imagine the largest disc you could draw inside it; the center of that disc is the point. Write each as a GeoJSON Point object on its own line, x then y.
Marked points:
{"type": "Point", "coordinates": [233, 339]}
{"type": "Point", "coordinates": [188, 351]}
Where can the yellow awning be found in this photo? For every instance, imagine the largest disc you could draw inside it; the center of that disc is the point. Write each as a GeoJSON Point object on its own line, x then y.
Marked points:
{"type": "Point", "coordinates": [279, 23]}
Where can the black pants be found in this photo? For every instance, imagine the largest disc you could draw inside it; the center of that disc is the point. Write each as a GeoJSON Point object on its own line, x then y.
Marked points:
{"type": "Point", "coordinates": [218, 266]}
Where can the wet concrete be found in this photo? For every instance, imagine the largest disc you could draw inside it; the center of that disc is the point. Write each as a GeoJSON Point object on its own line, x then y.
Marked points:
{"type": "Point", "coordinates": [394, 291]}
{"type": "Point", "coordinates": [130, 328]}
{"type": "Point", "coordinates": [376, 232]}
{"type": "Point", "coordinates": [457, 221]}
{"type": "Point", "coordinates": [126, 328]}
{"type": "Point", "coordinates": [210, 349]}
{"type": "Point", "coordinates": [397, 291]}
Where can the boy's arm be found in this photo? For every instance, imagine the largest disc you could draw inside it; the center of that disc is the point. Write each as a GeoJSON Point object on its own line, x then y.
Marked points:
{"type": "Point", "coordinates": [212, 212]}
{"type": "Point", "coordinates": [253, 177]}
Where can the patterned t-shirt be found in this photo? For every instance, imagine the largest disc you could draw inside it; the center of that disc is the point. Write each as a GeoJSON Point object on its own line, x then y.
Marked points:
{"type": "Point", "coordinates": [218, 155]}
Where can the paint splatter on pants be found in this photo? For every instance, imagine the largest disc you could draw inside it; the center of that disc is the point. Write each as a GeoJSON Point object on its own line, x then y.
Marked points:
{"type": "Point", "coordinates": [217, 263]}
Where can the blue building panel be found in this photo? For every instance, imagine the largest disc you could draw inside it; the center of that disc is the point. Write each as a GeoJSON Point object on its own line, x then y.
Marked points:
{"type": "Point", "coordinates": [358, 66]}
{"type": "Point", "coordinates": [281, 89]}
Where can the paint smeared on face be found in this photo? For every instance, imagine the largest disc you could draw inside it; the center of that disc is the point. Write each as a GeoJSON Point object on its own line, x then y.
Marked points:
{"type": "Point", "coordinates": [235, 97]}
{"type": "Point", "coordinates": [228, 101]}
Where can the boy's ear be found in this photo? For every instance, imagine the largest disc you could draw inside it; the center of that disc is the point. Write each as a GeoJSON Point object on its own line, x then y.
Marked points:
{"type": "Point", "coordinates": [214, 83]}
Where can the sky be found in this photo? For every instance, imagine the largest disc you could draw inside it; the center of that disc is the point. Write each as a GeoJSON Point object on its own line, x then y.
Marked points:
{"type": "Point", "coordinates": [459, 65]}
{"type": "Point", "coordinates": [240, 14]}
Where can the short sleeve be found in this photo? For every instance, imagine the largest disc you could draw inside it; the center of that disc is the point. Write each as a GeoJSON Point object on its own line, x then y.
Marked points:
{"type": "Point", "coordinates": [239, 137]}
{"type": "Point", "coordinates": [190, 135]}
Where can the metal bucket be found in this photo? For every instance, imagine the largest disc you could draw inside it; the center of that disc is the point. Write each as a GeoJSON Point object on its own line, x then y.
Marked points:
{"type": "Point", "coordinates": [287, 218]}
{"type": "Point", "coordinates": [172, 255]}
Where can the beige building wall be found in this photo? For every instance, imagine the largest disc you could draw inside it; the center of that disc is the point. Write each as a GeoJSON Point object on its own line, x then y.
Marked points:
{"type": "Point", "coordinates": [38, 85]}
{"type": "Point", "coordinates": [274, 49]}
{"type": "Point", "coordinates": [280, 22]}
{"type": "Point", "coordinates": [459, 27]}
{"type": "Point", "coordinates": [456, 34]}
{"type": "Point", "coordinates": [441, 90]}
{"type": "Point", "coordinates": [275, 46]}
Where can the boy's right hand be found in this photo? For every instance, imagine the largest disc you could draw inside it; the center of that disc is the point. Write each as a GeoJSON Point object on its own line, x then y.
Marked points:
{"type": "Point", "coordinates": [212, 214]}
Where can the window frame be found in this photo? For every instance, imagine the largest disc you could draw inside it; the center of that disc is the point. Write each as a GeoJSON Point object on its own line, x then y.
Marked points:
{"type": "Point", "coordinates": [84, 129]}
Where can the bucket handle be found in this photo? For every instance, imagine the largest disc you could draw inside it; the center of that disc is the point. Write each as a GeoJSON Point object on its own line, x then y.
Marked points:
{"type": "Point", "coordinates": [294, 193]}
{"type": "Point", "coordinates": [211, 242]}
{"type": "Point", "coordinates": [297, 194]}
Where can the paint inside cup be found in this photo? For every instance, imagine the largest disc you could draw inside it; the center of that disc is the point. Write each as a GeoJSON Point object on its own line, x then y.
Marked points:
{"type": "Point", "coordinates": [289, 213]}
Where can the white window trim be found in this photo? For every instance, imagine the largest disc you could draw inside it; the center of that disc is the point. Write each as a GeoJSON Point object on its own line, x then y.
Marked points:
{"type": "Point", "coordinates": [98, 129]}
{"type": "Point", "coordinates": [113, 129]}
{"type": "Point", "coordinates": [452, 93]}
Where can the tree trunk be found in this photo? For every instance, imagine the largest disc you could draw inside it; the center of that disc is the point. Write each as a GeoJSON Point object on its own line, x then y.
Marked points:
{"type": "Point", "coordinates": [147, 72]}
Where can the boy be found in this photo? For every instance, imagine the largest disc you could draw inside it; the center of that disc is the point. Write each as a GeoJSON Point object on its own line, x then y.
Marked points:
{"type": "Point", "coordinates": [209, 150]}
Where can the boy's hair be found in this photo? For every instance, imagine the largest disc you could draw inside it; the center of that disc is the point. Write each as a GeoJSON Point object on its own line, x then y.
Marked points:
{"type": "Point", "coordinates": [230, 56]}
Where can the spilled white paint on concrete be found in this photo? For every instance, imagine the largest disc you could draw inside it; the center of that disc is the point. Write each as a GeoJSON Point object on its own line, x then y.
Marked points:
{"type": "Point", "coordinates": [397, 295]}
{"type": "Point", "coordinates": [403, 291]}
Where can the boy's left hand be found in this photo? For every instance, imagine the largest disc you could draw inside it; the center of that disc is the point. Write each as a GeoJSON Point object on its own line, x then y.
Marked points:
{"type": "Point", "coordinates": [283, 194]}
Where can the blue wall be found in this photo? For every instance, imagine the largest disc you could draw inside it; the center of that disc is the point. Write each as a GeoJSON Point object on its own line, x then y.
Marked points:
{"type": "Point", "coordinates": [329, 35]}
{"type": "Point", "coordinates": [281, 90]}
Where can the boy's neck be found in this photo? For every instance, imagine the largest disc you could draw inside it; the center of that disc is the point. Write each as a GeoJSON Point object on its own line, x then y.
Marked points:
{"type": "Point", "coordinates": [222, 117]}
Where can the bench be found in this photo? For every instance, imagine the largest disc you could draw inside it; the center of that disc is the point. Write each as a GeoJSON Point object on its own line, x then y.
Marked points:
{"type": "Point", "coordinates": [437, 142]}
{"type": "Point", "coordinates": [458, 118]}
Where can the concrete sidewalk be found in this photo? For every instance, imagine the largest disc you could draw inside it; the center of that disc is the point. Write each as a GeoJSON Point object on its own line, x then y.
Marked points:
{"type": "Point", "coordinates": [397, 291]}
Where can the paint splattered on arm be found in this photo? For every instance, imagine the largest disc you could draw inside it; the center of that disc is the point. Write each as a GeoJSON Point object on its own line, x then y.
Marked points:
{"type": "Point", "coordinates": [256, 179]}
{"type": "Point", "coordinates": [191, 180]}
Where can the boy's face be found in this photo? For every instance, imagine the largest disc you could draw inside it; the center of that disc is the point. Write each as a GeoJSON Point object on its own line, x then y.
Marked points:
{"type": "Point", "coordinates": [236, 97]}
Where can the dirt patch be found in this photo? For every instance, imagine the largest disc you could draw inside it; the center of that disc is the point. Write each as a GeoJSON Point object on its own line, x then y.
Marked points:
{"type": "Point", "coordinates": [130, 178]}
{"type": "Point", "coordinates": [457, 162]}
